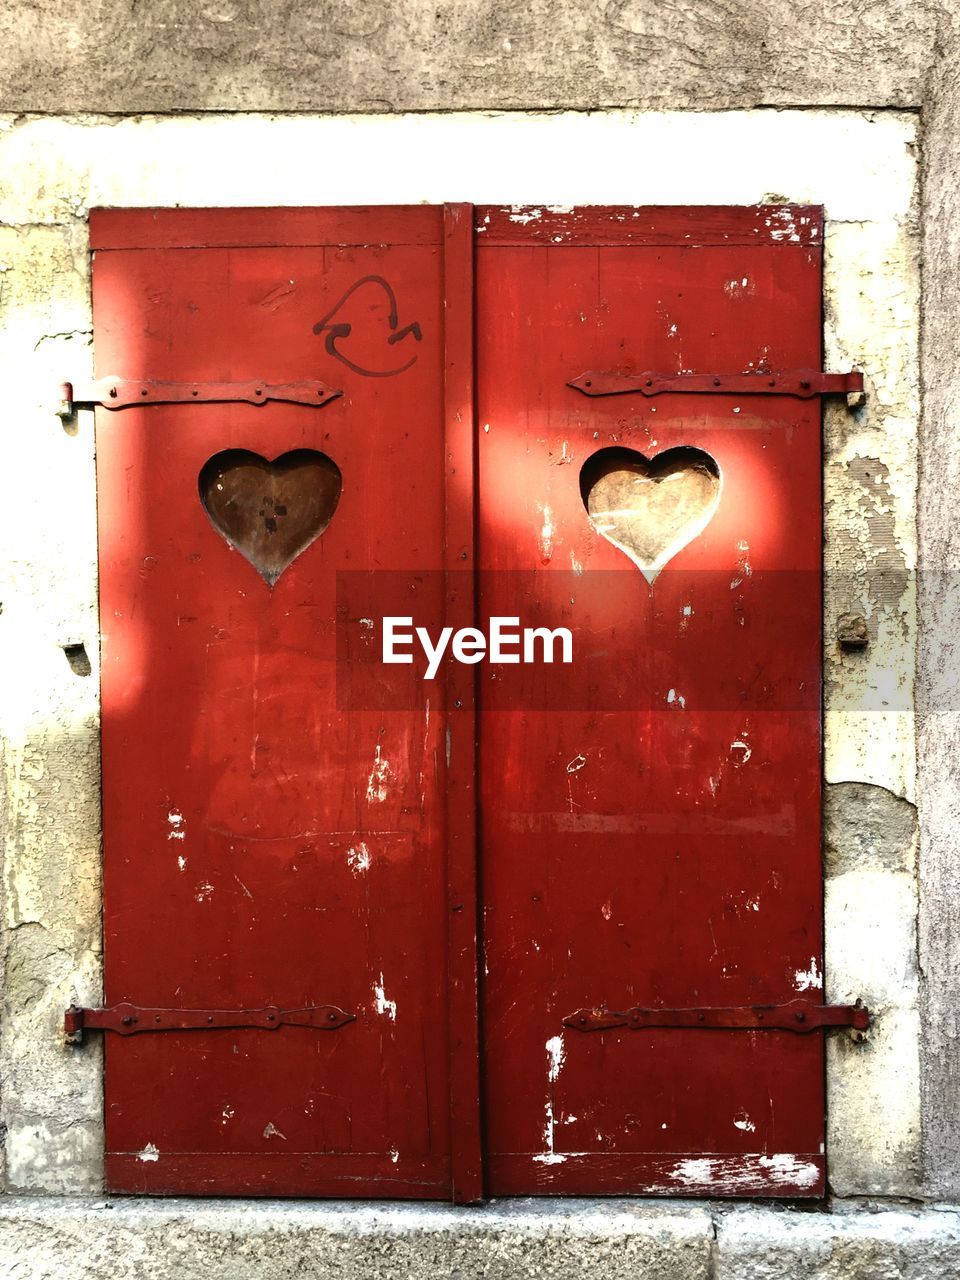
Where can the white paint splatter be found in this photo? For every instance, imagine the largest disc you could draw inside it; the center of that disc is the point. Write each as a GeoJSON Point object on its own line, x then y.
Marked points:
{"type": "Point", "coordinates": [550, 1157]}
{"type": "Point", "coordinates": [693, 1173]}
{"type": "Point", "coordinates": [204, 891]}
{"type": "Point", "coordinates": [358, 858]}
{"type": "Point", "coordinates": [522, 215]}
{"type": "Point", "coordinates": [787, 1168]}
{"type": "Point", "coordinates": [380, 776]}
{"type": "Point", "coordinates": [394, 1154]}
{"type": "Point", "coordinates": [735, 288]}
{"type": "Point", "coordinates": [576, 764]}
{"type": "Point", "coordinates": [547, 531]}
{"type": "Point", "coordinates": [383, 1005]}
{"type": "Point", "coordinates": [676, 698]}
{"type": "Point", "coordinates": [181, 862]}
{"type": "Point", "coordinates": [271, 1131]}
{"type": "Point", "coordinates": [149, 1154]}
{"type": "Point", "coordinates": [807, 979]}
{"type": "Point", "coordinates": [556, 1056]}
{"type": "Point", "coordinates": [744, 567]}
{"type": "Point", "coordinates": [745, 1124]}
{"type": "Point", "coordinates": [787, 232]}
{"type": "Point", "coordinates": [732, 1174]}
{"type": "Point", "coordinates": [175, 818]}
{"type": "Point", "coordinates": [228, 1113]}
{"type": "Point", "coordinates": [739, 744]}
{"type": "Point", "coordinates": [607, 909]}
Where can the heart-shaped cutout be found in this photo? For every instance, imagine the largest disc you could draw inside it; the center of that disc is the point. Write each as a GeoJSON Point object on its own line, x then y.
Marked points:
{"type": "Point", "coordinates": [650, 508]}
{"type": "Point", "coordinates": [270, 511]}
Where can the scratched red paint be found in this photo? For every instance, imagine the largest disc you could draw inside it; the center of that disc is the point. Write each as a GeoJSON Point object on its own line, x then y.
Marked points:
{"type": "Point", "coordinates": [666, 852]}
{"type": "Point", "coordinates": [653, 839]}
{"type": "Point", "coordinates": [259, 846]}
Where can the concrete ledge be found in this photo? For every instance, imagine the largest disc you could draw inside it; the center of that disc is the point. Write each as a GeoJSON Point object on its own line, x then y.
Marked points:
{"type": "Point", "coordinates": [505, 1240]}
{"type": "Point", "coordinates": [855, 1243]}
{"type": "Point", "coordinates": [270, 1240]}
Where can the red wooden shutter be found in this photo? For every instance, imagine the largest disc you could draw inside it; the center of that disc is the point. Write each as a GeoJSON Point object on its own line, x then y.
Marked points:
{"type": "Point", "coordinates": [290, 867]}
{"type": "Point", "coordinates": [651, 814]}
{"type": "Point", "coordinates": [263, 848]}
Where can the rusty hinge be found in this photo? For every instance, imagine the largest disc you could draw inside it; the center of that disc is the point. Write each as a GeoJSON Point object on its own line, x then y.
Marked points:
{"type": "Point", "coordinates": [130, 1019]}
{"type": "Point", "coordinates": [797, 1015]}
{"type": "Point", "coordinates": [802, 383]}
{"type": "Point", "coordinates": [121, 393]}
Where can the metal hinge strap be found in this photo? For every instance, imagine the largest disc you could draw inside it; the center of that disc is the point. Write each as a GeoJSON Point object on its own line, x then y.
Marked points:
{"type": "Point", "coordinates": [121, 393]}
{"type": "Point", "coordinates": [796, 1015]}
{"type": "Point", "coordinates": [130, 1019]}
{"type": "Point", "coordinates": [801, 383]}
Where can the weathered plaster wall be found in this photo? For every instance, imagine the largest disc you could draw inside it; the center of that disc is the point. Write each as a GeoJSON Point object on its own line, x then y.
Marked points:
{"type": "Point", "coordinates": [938, 700]}
{"type": "Point", "coordinates": [861, 166]}
{"type": "Point", "coordinates": [423, 55]}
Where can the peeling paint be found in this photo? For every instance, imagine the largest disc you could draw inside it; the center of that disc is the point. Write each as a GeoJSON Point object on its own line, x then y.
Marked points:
{"type": "Point", "coordinates": [744, 568]}
{"type": "Point", "coordinates": [380, 775]}
{"type": "Point", "coordinates": [523, 216]}
{"type": "Point", "coordinates": [556, 1056]}
{"type": "Point", "coordinates": [789, 1168]}
{"type": "Point", "coordinates": [358, 858]}
{"type": "Point", "coordinates": [382, 1005]}
{"type": "Point", "coordinates": [546, 535]}
{"type": "Point", "coordinates": [809, 979]}
{"type": "Point", "coordinates": [740, 744]}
